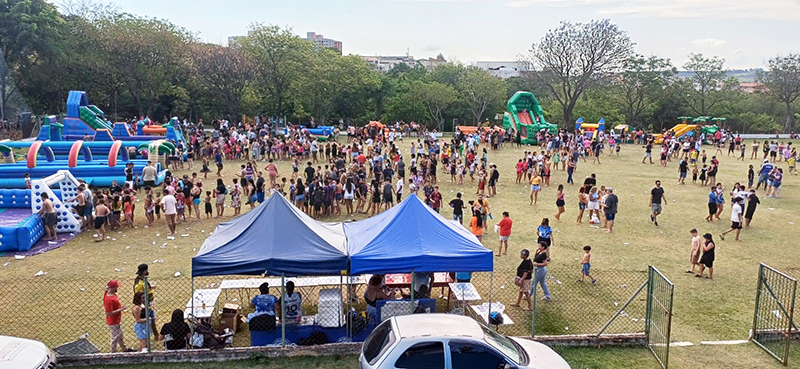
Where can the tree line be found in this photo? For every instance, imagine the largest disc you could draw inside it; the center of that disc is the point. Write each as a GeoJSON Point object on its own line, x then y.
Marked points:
{"type": "Point", "coordinates": [134, 66]}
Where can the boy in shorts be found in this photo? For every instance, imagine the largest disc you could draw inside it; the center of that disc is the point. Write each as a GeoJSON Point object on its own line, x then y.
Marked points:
{"type": "Point", "coordinates": [586, 265]}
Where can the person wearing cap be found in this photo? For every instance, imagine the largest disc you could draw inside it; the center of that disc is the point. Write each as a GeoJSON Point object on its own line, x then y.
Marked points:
{"type": "Point", "coordinates": [138, 286]}
{"type": "Point", "coordinates": [114, 311]}
{"type": "Point", "coordinates": [763, 174]}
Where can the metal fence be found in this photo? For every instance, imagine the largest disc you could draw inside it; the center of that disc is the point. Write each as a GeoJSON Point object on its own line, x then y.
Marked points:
{"type": "Point", "coordinates": [58, 311]}
{"type": "Point", "coordinates": [773, 321]}
{"type": "Point", "coordinates": [659, 315]}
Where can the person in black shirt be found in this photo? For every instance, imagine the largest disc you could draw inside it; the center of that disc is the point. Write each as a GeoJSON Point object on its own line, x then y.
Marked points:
{"type": "Point", "coordinates": [590, 182]}
{"type": "Point", "coordinates": [175, 334]}
{"type": "Point", "coordinates": [523, 279]}
{"type": "Point", "coordinates": [683, 168]}
{"type": "Point", "coordinates": [540, 262]}
{"type": "Point", "coordinates": [458, 208]}
{"type": "Point", "coordinates": [260, 188]}
{"type": "Point", "coordinates": [656, 195]}
{"type": "Point", "coordinates": [309, 173]}
{"type": "Point", "coordinates": [752, 203]}
{"type": "Point", "coordinates": [648, 152]}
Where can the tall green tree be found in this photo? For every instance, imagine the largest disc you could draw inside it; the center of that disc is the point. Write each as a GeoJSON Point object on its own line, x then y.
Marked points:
{"type": "Point", "coordinates": [148, 55]}
{"type": "Point", "coordinates": [708, 84]}
{"type": "Point", "coordinates": [30, 35]}
{"type": "Point", "coordinates": [575, 57]}
{"type": "Point", "coordinates": [483, 93]}
{"type": "Point", "coordinates": [224, 72]}
{"type": "Point", "coordinates": [641, 85]}
{"type": "Point", "coordinates": [783, 82]}
{"type": "Point", "coordinates": [280, 57]}
{"type": "Point", "coordinates": [436, 98]}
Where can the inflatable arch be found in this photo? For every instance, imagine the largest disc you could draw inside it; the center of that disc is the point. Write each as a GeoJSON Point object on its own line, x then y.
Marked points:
{"type": "Point", "coordinates": [78, 148]}
{"type": "Point", "coordinates": [33, 152]}
{"type": "Point", "coordinates": [116, 150]}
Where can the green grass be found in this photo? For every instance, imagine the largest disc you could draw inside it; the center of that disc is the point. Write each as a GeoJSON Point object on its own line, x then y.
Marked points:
{"type": "Point", "coordinates": [721, 309]}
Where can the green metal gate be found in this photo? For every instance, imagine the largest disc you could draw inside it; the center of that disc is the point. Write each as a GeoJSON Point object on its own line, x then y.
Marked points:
{"type": "Point", "coordinates": [659, 315]}
{"type": "Point", "coordinates": [773, 321]}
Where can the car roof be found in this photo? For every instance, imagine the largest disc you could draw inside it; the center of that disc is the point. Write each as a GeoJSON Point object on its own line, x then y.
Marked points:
{"type": "Point", "coordinates": [423, 325]}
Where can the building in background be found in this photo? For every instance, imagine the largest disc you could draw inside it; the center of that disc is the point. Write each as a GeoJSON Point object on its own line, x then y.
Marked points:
{"type": "Point", "coordinates": [321, 41]}
{"type": "Point", "coordinates": [751, 87]}
{"type": "Point", "coordinates": [384, 63]}
{"type": "Point", "coordinates": [500, 69]}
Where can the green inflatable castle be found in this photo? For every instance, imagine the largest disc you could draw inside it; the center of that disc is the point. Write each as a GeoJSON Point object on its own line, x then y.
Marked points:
{"type": "Point", "coordinates": [525, 116]}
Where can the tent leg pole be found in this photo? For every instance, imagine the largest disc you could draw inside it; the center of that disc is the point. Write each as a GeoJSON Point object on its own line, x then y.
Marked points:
{"type": "Point", "coordinates": [191, 316]}
{"type": "Point", "coordinates": [491, 290]}
{"type": "Point", "coordinates": [413, 280]}
{"type": "Point", "coordinates": [283, 311]}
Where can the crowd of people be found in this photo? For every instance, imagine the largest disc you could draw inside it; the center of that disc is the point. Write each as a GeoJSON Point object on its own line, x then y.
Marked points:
{"type": "Point", "coordinates": [376, 167]}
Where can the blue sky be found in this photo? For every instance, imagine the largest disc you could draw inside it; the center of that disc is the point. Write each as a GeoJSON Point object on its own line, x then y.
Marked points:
{"type": "Point", "coordinates": [744, 32]}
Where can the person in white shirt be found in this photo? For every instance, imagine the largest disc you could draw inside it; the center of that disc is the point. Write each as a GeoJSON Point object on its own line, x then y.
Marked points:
{"type": "Point", "coordinates": [169, 204]}
{"type": "Point", "coordinates": [736, 219]}
{"type": "Point", "coordinates": [292, 302]}
{"type": "Point", "coordinates": [399, 189]}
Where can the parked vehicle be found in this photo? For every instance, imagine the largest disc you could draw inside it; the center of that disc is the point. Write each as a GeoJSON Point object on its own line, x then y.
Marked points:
{"type": "Point", "coordinates": [20, 353]}
{"type": "Point", "coordinates": [444, 341]}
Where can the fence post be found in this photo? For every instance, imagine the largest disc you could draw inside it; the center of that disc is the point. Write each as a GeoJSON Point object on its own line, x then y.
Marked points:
{"type": "Point", "coordinates": [148, 322]}
{"type": "Point", "coordinates": [533, 303]}
{"type": "Point", "coordinates": [758, 299]}
{"type": "Point", "coordinates": [791, 323]}
{"type": "Point", "coordinates": [283, 311]}
{"type": "Point", "coordinates": [649, 309]}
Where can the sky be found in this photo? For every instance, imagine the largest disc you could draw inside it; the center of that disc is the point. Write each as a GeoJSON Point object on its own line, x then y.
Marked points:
{"type": "Point", "coordinates": [746, 33]}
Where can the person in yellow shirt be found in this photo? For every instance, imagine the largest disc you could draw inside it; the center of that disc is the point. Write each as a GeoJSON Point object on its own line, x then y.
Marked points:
{"type": "Point", "coordinates": [138, 286]}
{"type": "Point", "coordinates": [535, 186]}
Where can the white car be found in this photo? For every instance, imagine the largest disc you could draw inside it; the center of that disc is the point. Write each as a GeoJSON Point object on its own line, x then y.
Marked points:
{"type": "Point", "coordinates": [20, 353]}
{"type": "Point", "coordinates": [443, 341]}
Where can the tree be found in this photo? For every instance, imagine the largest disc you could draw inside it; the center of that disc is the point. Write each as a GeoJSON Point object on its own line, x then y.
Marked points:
{"type": "Point", "coordinates": [574, 57]}
{"type": "Point", "coordinates": [280, 57]}
{"type": "Point", "coordinates": [708, 84]}
{"type": "Point", "coordinates": [435, 97]}
{"type": "Point", "coordinates": [30, 31]}
{"type": "Point", "coordinates": [147, 54]}
{"type": "Point", "coordinates": [224, 72]}
{"type": "Point", "coordinates": [641, 85]}
{"type": "Point", "coordinates": [483, 92]}
{"type": "Point", "coordinates": [783, 82]}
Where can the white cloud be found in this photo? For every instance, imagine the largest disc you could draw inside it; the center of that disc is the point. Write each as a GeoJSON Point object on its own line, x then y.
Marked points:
{"type": "Point", "coordinates": [708, 42]}
{"type": "Point", "coordinates": [737, 51]}
{"type": "Point", "coordinates": [785, 10]}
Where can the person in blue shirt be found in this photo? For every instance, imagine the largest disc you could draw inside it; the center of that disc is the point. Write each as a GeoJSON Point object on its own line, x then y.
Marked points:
{"type": "Point", "coordinates": [546, 233]}
{"type": "Point", "coordinates": [763, 174]}
{"type": "Point", "coordinates": [720, 199]}
{"type": "Point", "coordinates": [265, 305]}
{"type": "Point", "coordinates": [712, 204]}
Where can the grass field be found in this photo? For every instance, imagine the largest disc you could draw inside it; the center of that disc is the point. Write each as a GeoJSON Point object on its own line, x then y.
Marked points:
{"type": "Point", "coordinates": [721, 309]}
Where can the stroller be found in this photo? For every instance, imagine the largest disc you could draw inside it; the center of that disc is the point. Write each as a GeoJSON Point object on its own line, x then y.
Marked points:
{"type": "Point", "coordinates": [205, 336]}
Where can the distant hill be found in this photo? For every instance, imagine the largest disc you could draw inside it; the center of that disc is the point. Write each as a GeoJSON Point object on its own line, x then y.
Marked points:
{"type": "Point", "coordinates": [743, 75]}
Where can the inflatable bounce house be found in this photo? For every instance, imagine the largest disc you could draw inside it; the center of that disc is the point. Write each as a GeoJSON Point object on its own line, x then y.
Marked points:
{"type": "Point", "coordinates": [526, 117]}
{"type": "Point", "coordinates": [689, 130]}
{"type": "Point", "coordinates": [590, 130]}
{"type": "Point", "coordinates": [21, 226]}
{"type": "Point", "coordinates": [322, 133]}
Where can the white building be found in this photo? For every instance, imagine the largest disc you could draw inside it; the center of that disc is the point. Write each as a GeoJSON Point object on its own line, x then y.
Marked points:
{"type": "Point", "coordinates": [501, 69]}
{"type": "Point", "coordinates": [384, 63]}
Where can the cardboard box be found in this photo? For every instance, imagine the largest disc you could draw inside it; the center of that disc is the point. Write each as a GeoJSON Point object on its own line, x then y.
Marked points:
{"type": "Point", "coordinates": [230, 318]}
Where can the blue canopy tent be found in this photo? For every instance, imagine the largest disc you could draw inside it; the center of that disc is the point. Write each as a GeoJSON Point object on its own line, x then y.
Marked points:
{"type": "Point", "coordinates": [412, 237]}
{"type": "Point", "coordinates": [275, 238]}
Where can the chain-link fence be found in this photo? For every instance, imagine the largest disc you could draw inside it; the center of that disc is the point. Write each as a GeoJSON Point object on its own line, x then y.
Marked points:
{"type": "Point", "coordinates": [773, 322]}
{"type": "Point", "coordinates": [320, 309]}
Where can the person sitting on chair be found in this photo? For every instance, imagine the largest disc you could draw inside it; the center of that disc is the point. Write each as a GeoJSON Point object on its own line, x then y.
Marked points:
{"type": "Point", "coordinates": [263, 318]}
{"type": "Point", "coordinates": [294, 304]}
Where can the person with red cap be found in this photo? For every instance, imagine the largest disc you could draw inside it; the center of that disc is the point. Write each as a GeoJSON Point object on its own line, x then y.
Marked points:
{"type": "Point", "coordinates": [114, 316]}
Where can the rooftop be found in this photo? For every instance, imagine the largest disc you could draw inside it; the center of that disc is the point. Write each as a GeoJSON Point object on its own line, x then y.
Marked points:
{"type": "Point", "coordinates": [424, 325]}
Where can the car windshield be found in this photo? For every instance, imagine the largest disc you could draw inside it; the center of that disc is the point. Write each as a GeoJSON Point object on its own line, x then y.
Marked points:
{"type": "Point", "coordinates": [502, 344]}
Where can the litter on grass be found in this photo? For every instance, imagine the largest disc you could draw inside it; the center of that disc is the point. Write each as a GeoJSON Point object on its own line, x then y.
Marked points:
{"type": "Point", "coordinates": [40, 273]}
